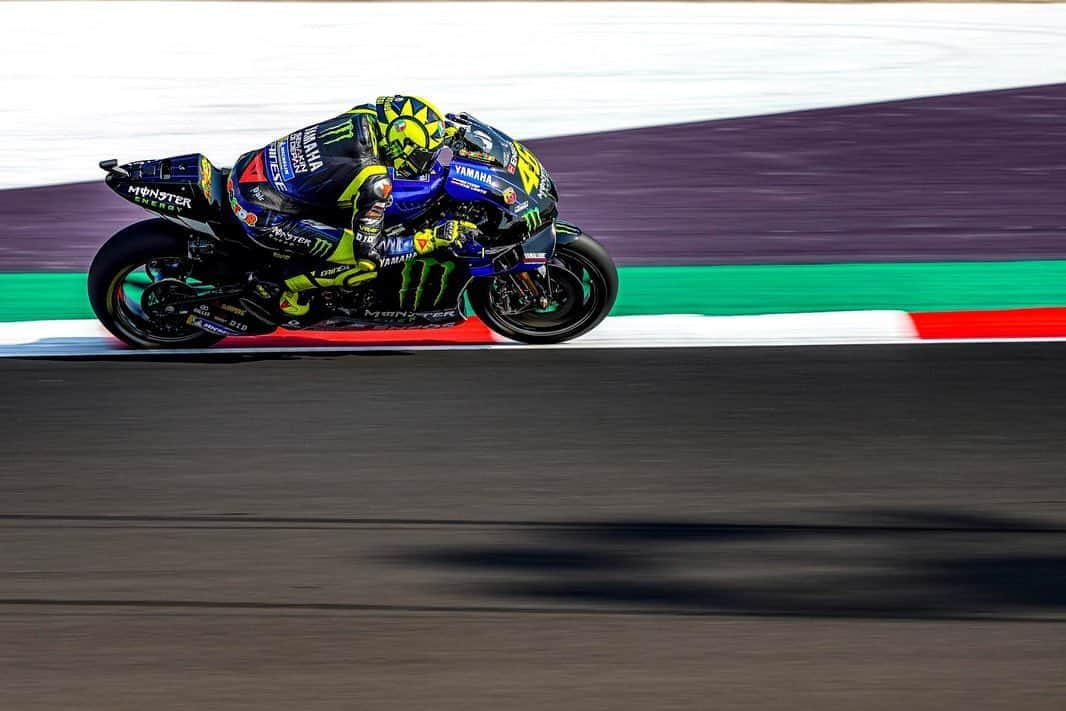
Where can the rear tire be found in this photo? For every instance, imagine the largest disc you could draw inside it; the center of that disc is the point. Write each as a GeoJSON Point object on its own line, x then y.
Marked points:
{"type": "Point", "coordinates": [587, 304]}
{"type": "Point", "coordinates": [134, 246]}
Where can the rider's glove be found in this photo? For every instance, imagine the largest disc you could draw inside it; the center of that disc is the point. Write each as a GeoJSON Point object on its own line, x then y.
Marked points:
{"type": "Point", "coordinates": [443, 235]}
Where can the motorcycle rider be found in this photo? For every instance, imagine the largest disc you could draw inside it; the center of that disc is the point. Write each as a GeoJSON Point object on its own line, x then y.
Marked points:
{"type": "Point", "coordinates": [331, 167]}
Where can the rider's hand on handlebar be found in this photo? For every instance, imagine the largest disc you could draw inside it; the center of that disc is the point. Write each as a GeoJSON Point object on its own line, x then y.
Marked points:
{"type": "Point", "coordinates": [446, 234]}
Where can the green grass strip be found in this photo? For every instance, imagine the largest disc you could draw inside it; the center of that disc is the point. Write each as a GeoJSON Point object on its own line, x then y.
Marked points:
{"type": "Point", "coordinates": [933, 286]}
{"type": "Point", "coordinates": [34, 297]}
{"type": "Point", "coordinates": [937, 286]}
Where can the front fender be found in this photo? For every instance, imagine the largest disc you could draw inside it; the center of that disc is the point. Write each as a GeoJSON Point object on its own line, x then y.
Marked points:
{"type": "Point", "coordinates": [566, 232]}
{"type": "Point", "coordinates": [539, 248]}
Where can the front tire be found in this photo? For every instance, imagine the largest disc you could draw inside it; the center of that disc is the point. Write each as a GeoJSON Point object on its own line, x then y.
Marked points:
{"type": "Point", "coordinates": [584, 286]}
{"type": "Point", "coordinates": [129, 250]}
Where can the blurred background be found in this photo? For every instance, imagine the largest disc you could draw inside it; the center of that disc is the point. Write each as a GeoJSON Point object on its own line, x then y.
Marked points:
{"type": "Point", "coordinates": [799, 526]}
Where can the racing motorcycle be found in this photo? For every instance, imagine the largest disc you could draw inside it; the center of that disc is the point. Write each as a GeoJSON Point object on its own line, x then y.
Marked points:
{"type": "Point", "coordinates": [185, 278]}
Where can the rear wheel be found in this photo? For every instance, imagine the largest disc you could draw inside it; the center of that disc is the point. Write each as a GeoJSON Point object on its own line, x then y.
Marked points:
{"type": "Point", "coordinates": [576, 289]}
{"type": "Point", "coordinates": [137, 270]}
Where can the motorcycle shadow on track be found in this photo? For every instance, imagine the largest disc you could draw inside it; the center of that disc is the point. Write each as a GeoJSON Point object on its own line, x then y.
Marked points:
{"type": "Point", "coordinates": [934, 565]}
{"type": "Point", "coordinates": [221, 357]}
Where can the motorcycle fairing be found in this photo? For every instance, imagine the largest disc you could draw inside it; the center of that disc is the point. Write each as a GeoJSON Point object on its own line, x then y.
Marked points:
{"type": "Point", "coordinates": [411, 198]}
{"type": "Point", "coordinates": [186, 189]}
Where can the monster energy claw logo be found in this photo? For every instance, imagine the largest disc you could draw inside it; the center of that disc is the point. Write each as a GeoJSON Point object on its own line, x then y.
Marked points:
{"type": "Point", "coordinates": [532, 218]}
{"type": "Point", "coordinates": [339, 132]}
{"type": "Point", "coordinates": [320, 248]}
{"type": "Point", "coordinates": [427, 264]}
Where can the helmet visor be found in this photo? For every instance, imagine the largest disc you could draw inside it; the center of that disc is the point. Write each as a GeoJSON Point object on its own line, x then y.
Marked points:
{"type": "Point", "coordinates": [418, 162]}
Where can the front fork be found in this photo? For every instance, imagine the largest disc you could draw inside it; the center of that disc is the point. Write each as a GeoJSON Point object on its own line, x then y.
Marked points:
{"type": "Point", "coordinates": [532, 290]}
{"type": "Point", "coordinates": [528, 275]}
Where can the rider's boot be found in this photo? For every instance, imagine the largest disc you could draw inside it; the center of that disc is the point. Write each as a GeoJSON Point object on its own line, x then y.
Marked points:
{"type": "Point", "coordinates": [295, 301]}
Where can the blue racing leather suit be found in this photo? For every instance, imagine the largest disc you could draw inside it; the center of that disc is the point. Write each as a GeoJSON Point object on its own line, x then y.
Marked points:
{"type": "Point", "coordinates": [319, 192]}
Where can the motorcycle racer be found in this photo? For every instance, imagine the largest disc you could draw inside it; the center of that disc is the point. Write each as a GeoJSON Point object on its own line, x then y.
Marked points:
{"type": "Point", "coordinates": [278, 191]}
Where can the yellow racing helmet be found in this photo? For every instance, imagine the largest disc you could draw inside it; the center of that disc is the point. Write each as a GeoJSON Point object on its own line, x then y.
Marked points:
{"type": "Point", "coordinates": [412, 131]}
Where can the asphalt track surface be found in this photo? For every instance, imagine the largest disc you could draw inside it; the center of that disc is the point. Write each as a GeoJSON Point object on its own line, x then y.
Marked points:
{"type": "Point", "coordinates": [960, 177]}
{"type": "Point", "coordinates": [865, 527]}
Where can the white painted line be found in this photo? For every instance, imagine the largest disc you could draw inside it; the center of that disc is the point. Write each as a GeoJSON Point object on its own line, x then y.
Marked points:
{"type": "Point", "coordinates": [79, 338]}
{"type": "Point", "coordinates": [225, 77]}
{"type": "Point", "coordinates": [88, 338]}
{"type": "Point", "coordinates": [14, 333]}
{"type": "Point", "coordinates": [771, 329]}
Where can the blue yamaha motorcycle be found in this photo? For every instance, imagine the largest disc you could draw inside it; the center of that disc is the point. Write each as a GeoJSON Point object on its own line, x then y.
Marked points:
{"type": "Point", "coordinates": [183, 280]}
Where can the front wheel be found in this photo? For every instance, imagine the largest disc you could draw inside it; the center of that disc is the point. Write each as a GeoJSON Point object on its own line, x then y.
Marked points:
{"type": "Point", "coordinates": [574, 292]}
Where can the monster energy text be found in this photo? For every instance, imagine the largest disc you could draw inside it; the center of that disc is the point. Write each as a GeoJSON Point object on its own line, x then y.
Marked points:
{"type": "Point", "coordinates": [156, 198]}
{"type": "Point", "coordinates": [427, 265]}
